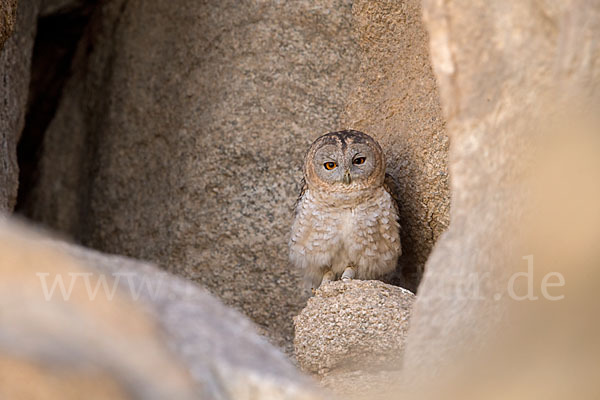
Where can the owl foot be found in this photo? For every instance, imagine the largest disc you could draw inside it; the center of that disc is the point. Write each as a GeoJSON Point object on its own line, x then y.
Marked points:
{"type": "Point", "coordinates": [328, 277]}
{"type": "Point", "coordinates": [349, 273]}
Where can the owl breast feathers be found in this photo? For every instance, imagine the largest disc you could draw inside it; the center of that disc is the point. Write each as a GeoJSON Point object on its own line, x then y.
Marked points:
{"type": "Point", "coordinates": [345, 216]}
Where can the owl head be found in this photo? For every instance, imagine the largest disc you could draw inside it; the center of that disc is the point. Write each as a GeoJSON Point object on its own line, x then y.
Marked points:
{"type": "Point", "coordinates": [344, 161]}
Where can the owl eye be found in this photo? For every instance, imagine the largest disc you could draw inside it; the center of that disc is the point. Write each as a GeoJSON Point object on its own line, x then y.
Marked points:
{"type": "Point", "coordinates": [330, 165]}
{"type": "Point", "coordinates": [359, 160]}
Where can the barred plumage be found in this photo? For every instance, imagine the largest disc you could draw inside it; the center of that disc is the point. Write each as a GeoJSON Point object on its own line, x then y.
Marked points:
{"type": "Point", "coordinates": [345, 216]}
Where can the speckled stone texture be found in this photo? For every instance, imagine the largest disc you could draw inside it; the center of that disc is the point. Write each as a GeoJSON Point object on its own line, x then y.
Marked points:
{"type": "Point", "coordinates": [149, 334]}
{"type": "Point", "coordinates": [352, 325]}
{"type": "Point", "coordinates": [8, 13]}
{"type": "Point", "coordinates": [181, 134]}
{"type": "Point", "coordinates": [15, 61]}
{"type": "Point", "coordinates": [396, 101]}
{"type": "Point", "coordinates": [503, 67]}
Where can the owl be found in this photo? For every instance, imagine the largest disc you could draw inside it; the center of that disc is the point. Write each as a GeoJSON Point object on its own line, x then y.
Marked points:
{"type": "Point", "coordinates": [346, 221]}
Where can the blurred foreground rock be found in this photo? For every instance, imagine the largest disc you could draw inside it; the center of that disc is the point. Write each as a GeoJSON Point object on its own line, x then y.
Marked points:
{"type": "Point", "coordinates": [352, 325]}
{"type": "Point", "coordinates": [504, 70]}
{"type": "Point", "coordinates": [150, 336]}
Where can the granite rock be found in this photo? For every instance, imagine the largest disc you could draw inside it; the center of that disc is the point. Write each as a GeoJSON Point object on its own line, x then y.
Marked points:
{"type": "Point", "coordinates": [8, 14]}
{"type": "Point", "coordinates": [352, 325]}
{"type": "Point", "coordinates": [180, 137]}
{"type": "Point", "coordinates": [396, 100]}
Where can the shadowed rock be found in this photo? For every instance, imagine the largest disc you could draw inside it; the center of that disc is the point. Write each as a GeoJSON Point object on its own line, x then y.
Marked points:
{"type": "Point", "coordinates": [15, 61]}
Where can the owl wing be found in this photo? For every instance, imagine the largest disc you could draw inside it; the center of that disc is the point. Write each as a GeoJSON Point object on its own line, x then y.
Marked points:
{"type": "Point", "coordinates": [303, 187]}
{"type": "Point", "coordinates": [391, 186]}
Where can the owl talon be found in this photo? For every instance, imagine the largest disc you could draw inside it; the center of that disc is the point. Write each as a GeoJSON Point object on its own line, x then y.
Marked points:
{"type": "Point", "coordinates": [328, 277]}
{"type": "Point", "coordinates": [349, 273]}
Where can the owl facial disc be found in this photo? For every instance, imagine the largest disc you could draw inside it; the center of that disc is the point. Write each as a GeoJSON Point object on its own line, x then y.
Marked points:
{"type": "Point", "coordinates": [345, 160]}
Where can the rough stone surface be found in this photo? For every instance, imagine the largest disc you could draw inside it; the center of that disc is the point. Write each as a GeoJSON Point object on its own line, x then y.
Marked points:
{"type": "Point", "coordinates": [396, 101]}
{"type": "Point", "coordinates": [15, 61]}
{"type": "Point", "coordinates": [362, 384]}
{"type": "Point", "coordinates": [8, 14]}
{"type": "Point", "coordinates": [350, 325]}
{"type": "Point", "coordinates": [180, 139]}
{"type": "Point", "coordinates": [146, 336]}
{"type": "Point", "coordinates": [502, 68]}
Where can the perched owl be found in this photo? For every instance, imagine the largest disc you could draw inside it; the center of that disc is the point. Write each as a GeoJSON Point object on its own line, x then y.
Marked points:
{"type": "Point", "coordinates": [346, 222]}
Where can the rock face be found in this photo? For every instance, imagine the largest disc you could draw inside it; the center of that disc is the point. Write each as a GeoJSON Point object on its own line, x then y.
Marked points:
{"type": "Point", "coordinates": [147, 333]}
{"type": "Point", "coordinates": [181, 134]}
{"type": "Point", "coordinates": [184, 125]}
{"type": "Point", "coordinates": [396, 101]}
{"type": "Point", "coordinates": [352, 325]}
{"type": "Point", "coordinates": [502, 69]}
{"type": "Point", "coordinates": [15, 60]}
{"type": "Point", "coordinates": [8, 14]}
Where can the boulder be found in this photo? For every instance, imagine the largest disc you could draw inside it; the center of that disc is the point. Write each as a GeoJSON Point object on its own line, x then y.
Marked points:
{"type": "Point", "coordinates": [352, 325]}
{"type": "Point", "coordinates": [63, 339]}
{"type": "Point", "coordinates": [503, 70]}
{"type": "Point", "coordinates": [396, 100]}
{"type": "Point", "coordinates": [180, 135]}
{"type": "Point", "coordinates": [120, 328]}
{"type": "Point", "coordinates": [15, 62]}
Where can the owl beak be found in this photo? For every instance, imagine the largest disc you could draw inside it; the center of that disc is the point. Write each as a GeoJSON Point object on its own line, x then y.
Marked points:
{"type": "Point", "coordinates": [347, 178]}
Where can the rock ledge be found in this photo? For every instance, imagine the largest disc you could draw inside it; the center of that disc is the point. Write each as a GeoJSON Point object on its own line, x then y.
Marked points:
{"type": "Point", "coordinates": [352, 325]}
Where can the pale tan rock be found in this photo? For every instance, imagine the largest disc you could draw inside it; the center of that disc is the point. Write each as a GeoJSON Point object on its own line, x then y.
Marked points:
{"type": "Point", "coordinates": [65, 341]}
{"type": "Point", "coordinates": [362, 384]}
{"type": "Point", "coordinates": [125, 330]}
{"type": "Point", "coordinates": [352, 325]}
{"type": "Point", "coordinates": [504, 70]}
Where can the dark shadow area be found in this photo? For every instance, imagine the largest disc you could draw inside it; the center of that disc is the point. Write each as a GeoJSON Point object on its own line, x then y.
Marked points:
{"type": "Point", "coordinates": [55, 45]}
